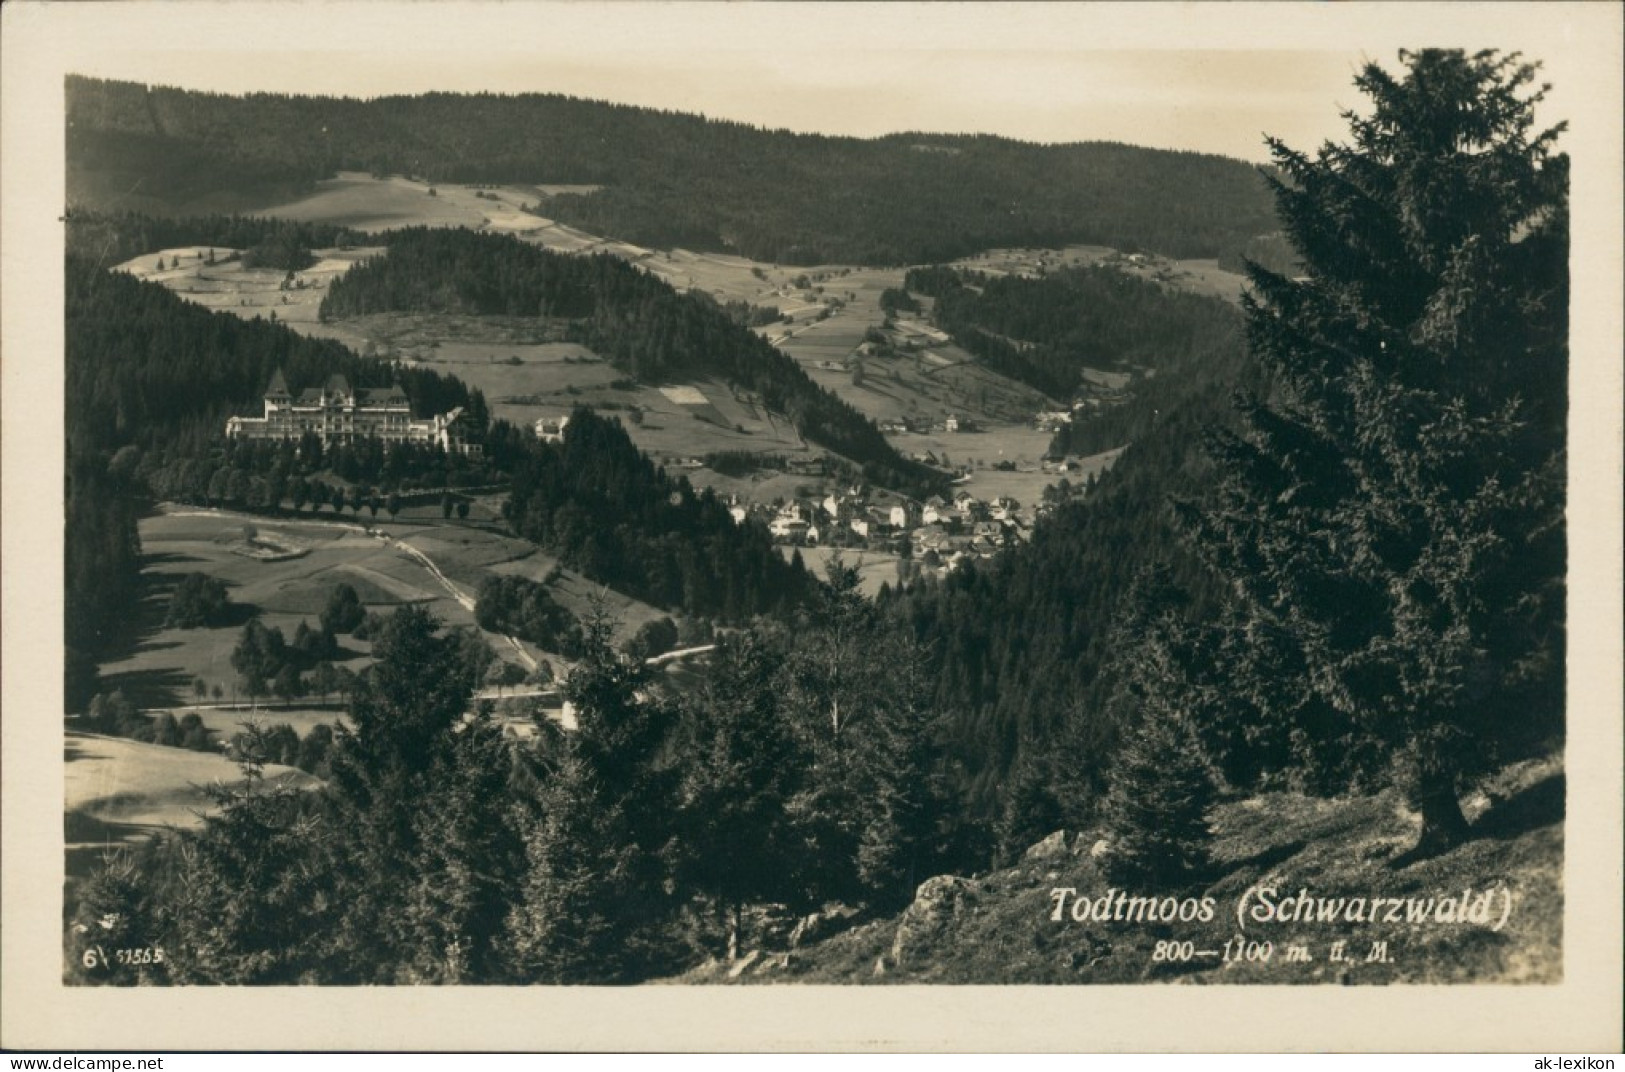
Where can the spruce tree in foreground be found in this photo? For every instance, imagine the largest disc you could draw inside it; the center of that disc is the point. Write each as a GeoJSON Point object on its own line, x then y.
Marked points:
{"type": "Point", "coordinates": [1389, 517]}
{"type": "Point", "coordinates": [738, 765]}
{"type": "Point", "coordinates": [1162, 786]}
{"type": "Point", "coordinates": [594, 900]}
{"type": "Point", "coordinates": [1156, 811]}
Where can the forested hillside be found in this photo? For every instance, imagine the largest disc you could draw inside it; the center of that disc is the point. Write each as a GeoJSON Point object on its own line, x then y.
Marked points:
{"type": "Point", "coordinates": [109, 238]}
{"type": "Point", "coordinates": [637, 321]}
{"type": "Point", "coordinates": [150, 381]}
{"type": "Point", "coordinates": [1361, 571]}
{"type": "Point", "coordinates": [1021, 646]}
{"type": "Point", "coordinates": [150, 369]}
{"type": "Point", "coordinates": [668, 179]}
{"type": "Point", "coordinates": [1046, 332]}
{"type": "Point", "coordinates": [605, 509]}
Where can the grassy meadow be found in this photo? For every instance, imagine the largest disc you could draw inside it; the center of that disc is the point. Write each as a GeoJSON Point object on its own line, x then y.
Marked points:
{"type": "Point", "coordinates": [121, 791]}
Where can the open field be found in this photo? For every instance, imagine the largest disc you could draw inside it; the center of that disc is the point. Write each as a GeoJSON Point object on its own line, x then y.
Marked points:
{"type": "Point", "coordinates": [875, 568]}
{"type": "Point", "coordinates": [438, 566]}
{"type": "Point", "coordinates": [1022, 444]}
{"type": "Point", "coordinates": [357, 200]}
{"type": "Point", "coordinates": [160, 669]}
{"type": "Point", "coordinates": [1029, 262]}
{"type": "Point", "coordinates": [801, 292]}
{"type": "Point", "coordinates": [1203, 277]}
{"type": "Point", "coordinates": [225, 722]}
{"type": "Point", "coordinates": [121, 791]}
{"type": "Point", "coordinates": [931, 384]}
{"type": "Point", "coordinates": [525, 377]}
{"type": "Point", "coordinates": [1206, 277]}
{"type": "Point", "coordinates": [526, 372]}
{"type": "Point", "coordinates": [361, 201]}
{"type": "Point", "coordinates": [228, 287]}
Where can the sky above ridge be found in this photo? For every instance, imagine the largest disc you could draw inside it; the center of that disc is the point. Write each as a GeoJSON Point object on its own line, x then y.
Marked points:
{"type": "Point", "coordinates": [1048, 73]}
{"type": "Point", "coordinates": [1202, 101]}
{"type": "Point", "coordinates": [1206, 77]}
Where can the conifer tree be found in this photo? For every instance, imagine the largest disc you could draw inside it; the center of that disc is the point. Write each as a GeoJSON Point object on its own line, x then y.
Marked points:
{"type": "Point", "coordinates": [739, 765]}
{"type": "Point", "coordinates": [469, 861]}
{"type": "Point", "coordinates": [593, 900]}
{"type": "Point", "coordinates": [246, 900]}
{"type": "Point", "coordinates": [405, 725]}
{"type": "Point", "coordinates": [1161, 785]}
{"type": "Point", "coordinates": [855, 691]}
{"type": "Point", "coordinates": [1389, 516]}
{"type": "Point", "coordinates": [1157, 808]}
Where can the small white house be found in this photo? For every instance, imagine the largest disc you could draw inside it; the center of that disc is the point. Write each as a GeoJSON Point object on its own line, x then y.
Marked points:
{"type": "Point", "coordinates": [788, 528]}
{"type": "Point", "coordinates": [551, 429]}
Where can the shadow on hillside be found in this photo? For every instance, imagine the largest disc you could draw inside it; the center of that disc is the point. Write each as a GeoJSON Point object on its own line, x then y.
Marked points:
{"type": "Point", "coordinates": [1270, 857]}
{"type": "Point", "coordinates": [92, 843]}
{"type": "Point", "coordinates": [134, 634]}
{"type": "Point", "coordinates": [146, 646]}
{"type": "Point", "coordinates": [75, 749]}
{"type": "Point", "coordinates": [236, 615]}
{"type": "Point", "coordinates": [154, 559]}
{"type": "Point", "coordinates": [345, 654]}
{"type": "Point", "coordinates": [149, 688]}
{"type": "Point", "coordinates": [1531, 808]}
{"type": "Point", "coordinates": [79, 828]}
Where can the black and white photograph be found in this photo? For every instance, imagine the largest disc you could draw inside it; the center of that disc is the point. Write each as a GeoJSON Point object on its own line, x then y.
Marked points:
{"type": "Point", "coordinates": [864, 503]}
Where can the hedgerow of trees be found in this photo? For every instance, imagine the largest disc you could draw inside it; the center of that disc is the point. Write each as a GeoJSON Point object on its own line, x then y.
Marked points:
{"type": "Point", "coordinates": [198, 600]}
{"type": "Point", "coordinates": [520, 607]}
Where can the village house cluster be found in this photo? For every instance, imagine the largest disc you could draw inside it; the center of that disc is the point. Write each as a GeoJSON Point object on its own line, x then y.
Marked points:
{"type": "Point", "coordinates": [940, 533]}
{"type": "Point", "coordinates": [925, 425]}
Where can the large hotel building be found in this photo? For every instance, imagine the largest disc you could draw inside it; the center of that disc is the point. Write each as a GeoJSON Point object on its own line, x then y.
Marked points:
{"type": "Point", "coordinates": [340, 413]}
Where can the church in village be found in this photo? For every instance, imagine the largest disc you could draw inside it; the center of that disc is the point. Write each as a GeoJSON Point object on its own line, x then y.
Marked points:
{"type": "Point", "coordinates": [339, 414]}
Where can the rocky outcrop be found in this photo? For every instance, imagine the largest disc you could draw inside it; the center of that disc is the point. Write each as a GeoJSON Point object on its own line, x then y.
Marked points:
{"type": "Point", "coordinates": [831, 919]}
{"type": "Point", "coordinates": [937, 903]}
{"type": "Point", "coordinates": [1051, 848]}
{"type": "Point", "coordinates": [806, 930]}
